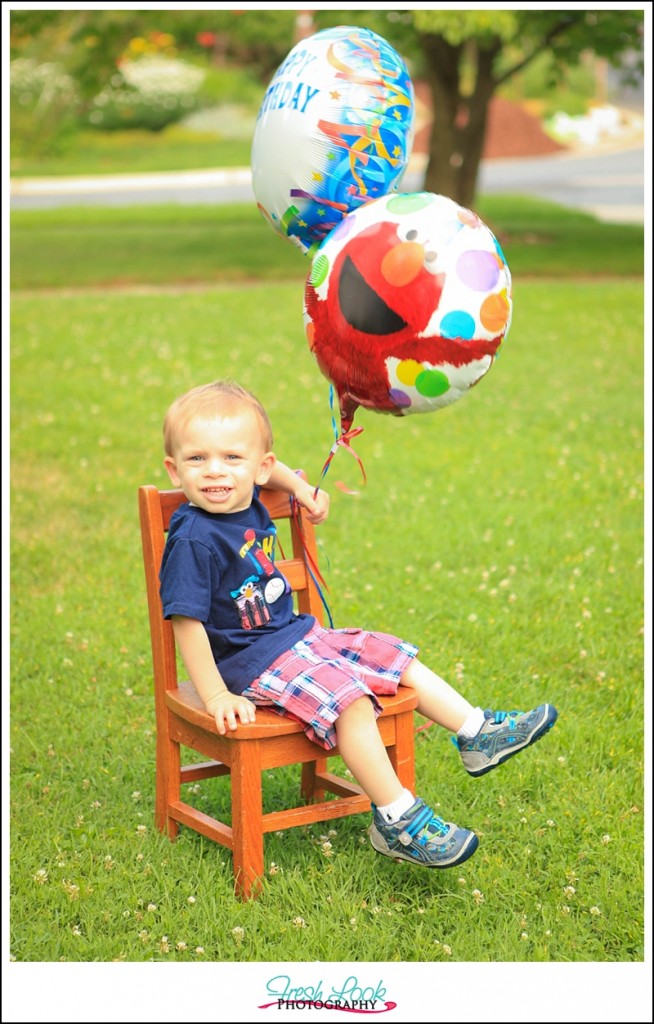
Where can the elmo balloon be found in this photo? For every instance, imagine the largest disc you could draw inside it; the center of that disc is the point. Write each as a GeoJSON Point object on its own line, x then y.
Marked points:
{"type": "Point", "coordinates": [334, 131]}
{"type": "Point", "coordinates": [406, 305]}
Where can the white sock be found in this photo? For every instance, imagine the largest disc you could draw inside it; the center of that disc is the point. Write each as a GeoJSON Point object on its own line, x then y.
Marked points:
{"type": "Point", "coordinates": [472, 724]}
{"type": "Point", "coordinates": [393, 812]}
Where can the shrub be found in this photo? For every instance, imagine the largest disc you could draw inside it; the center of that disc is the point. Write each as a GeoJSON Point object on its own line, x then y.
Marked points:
{"type": "Point", "coordinates": [44, 104]}
{"type": "Point", "coordinates": [149, 93]}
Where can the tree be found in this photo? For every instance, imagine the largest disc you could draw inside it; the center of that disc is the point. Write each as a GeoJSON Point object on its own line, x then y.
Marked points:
{"type": "Point", "coordinates": [466, 56]}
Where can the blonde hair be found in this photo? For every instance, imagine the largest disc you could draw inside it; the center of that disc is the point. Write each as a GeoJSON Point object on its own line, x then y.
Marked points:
{"type": "Point", "coordinates": [219, 397]}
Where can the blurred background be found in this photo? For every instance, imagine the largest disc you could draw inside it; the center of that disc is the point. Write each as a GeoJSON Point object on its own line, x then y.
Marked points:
{"type": "Point", "coordinates": [139, 91]}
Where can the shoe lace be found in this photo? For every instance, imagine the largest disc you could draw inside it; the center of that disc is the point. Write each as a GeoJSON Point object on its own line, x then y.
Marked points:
{"type": "Point", "coordinates": [427, 825]}
{"type": "Point", "coordinates": [501, 716]}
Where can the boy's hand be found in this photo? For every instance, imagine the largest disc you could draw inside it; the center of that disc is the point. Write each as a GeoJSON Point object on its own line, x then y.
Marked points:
{"type": "Point", "coordinates": [225, 706]}
{"type": "Point", "coordinates": [315, 502]}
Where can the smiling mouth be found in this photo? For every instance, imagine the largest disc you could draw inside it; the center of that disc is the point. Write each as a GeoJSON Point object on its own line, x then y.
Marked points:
{"type": "Point", "coordinates": [362, 307]}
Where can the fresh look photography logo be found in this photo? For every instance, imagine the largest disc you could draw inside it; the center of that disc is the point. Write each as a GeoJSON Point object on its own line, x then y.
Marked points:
{"type": "Point", "coordinates": [353, 996]}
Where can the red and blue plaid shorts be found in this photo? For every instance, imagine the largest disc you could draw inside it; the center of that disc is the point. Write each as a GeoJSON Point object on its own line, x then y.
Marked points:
{"type": "Point", "coordinates": [326, 671]}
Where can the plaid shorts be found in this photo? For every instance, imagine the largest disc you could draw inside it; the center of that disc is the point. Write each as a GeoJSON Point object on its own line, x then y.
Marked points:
{"type": "Point", "coordinates": [326, 671]}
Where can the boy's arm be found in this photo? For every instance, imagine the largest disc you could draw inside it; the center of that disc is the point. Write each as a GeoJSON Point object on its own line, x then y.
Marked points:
{"type": "Point", "coordinates": [195, 649]}
{"type": "Point", "coordinates": [315, 501]}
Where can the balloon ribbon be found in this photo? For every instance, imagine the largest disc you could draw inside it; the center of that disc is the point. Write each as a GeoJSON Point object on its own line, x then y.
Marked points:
{"type": "Point", "coordinates": [342, 440]}
{"type": "Point", "coordinates": [312, 567]}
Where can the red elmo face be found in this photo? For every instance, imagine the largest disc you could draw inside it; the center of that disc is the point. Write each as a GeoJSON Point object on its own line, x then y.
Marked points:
{"type": "Point", "coordinates": [383, 291]}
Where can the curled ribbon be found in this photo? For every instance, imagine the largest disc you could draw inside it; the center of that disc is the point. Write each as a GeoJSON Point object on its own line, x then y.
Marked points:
{"type": "Point", "coordinates": [342, 440]}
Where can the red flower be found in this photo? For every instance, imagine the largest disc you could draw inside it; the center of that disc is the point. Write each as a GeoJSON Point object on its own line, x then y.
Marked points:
{"type": "Point", "coordinates": [207, 39]}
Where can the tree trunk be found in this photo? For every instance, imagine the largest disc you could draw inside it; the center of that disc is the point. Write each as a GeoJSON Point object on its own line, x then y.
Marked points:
{"type": "Point", "coordinates": [459, 121]}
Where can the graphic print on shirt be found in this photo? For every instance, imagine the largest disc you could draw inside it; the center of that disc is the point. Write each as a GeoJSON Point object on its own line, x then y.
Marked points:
{"type": "Point", "coordinates": [251, 604]}
{"type": "Point", "coordinates": [251, 600]}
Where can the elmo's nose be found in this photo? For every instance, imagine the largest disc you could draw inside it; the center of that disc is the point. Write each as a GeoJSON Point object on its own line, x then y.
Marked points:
{"type": "Point", "coordinates": [403, 263]}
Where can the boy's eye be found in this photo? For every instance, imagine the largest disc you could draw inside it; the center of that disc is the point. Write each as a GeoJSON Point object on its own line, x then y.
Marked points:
{"type": "Point", "coordinates": [195, 458]}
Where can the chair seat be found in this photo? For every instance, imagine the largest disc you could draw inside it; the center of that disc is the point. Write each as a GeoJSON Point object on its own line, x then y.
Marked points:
{"type": "Point", "coordinates": [185, 702]}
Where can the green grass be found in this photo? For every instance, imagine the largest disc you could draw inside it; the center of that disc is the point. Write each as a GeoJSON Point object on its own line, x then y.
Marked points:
{"type": "Point", "coordinates": [86, 247]}
{"type": "Point", "coordinates": [131, 152]}
{"type": "Point", "coordinates": [504, 535]}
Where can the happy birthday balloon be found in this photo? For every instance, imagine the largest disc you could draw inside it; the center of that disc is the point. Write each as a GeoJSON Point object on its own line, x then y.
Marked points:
{"type": "Point", "coordinates": [334, 131]}
{"type": "Point", "coordinates": [406, 305]}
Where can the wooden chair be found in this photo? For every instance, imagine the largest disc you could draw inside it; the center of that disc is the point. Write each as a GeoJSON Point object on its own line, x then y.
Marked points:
{"type": "Point", "coordinates": [272, 741]}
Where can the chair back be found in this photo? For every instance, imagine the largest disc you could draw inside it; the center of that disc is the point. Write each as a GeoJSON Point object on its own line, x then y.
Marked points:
{"type": "Point", "coordinates": [156, 509]}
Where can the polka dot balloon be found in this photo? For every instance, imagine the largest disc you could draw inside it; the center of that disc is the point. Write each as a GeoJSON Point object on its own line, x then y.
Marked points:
{"type": "Point", "coordinates": [406, 304]}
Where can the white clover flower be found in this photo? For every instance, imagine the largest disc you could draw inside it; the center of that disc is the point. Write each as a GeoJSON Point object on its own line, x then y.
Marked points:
{"type": "Point", "coordinates": [477, 896]}
{"type": "Point", "coordinates": [299, 922]}
{"type": "Point", "coordinates": [41, 876]}
{"type": "Point", "coordinates": [595, 911]}
{"type": "Point", "coordinates": [71, 890]}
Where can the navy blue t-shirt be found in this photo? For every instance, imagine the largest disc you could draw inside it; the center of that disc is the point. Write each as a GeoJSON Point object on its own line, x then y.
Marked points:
{"type": "Point", "coordinates": [220, 569]}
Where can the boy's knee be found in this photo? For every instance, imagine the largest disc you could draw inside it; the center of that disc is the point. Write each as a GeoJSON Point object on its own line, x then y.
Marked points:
{"type": "Point", "coordinates": [361, 709]}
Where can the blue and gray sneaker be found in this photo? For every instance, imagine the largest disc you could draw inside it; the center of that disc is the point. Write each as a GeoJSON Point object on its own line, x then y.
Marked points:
{"type": "Point", "coordinates": [422, 838]}
{"type": "Point", "coordinates": [503, 734]}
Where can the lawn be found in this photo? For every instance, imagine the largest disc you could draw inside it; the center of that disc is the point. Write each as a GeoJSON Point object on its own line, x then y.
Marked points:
{"type": "Point", "coordinates": [504, 535]}
{"type": "Point", "coordinates": [519, 572]}
{"type": "Point", "coordinates": [84, 247]}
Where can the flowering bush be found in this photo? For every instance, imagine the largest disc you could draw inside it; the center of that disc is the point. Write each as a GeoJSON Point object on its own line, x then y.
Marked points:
{"type": "Point", "coordinates": [43, 107]}
{"type": "Point", "coordinates": [148, 93]}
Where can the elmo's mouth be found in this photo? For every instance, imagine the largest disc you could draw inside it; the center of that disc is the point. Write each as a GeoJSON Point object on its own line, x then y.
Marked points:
{"type": "Point", "coordinates": [362, 307]}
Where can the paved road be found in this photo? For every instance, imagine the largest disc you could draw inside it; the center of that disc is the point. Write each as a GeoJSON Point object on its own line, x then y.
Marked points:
{"type": "Point", "coordinates": [606, 182]}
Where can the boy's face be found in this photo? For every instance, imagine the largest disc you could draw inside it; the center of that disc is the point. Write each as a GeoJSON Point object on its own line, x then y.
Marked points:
{"type": "Point", "coordinates": [217, 460]}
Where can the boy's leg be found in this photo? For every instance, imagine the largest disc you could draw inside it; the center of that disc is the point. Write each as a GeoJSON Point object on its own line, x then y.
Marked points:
{"type": "Point", "coordinates": [364, 753]}
{"type": "Point", "coordinates": [437, 700]}
{"type": "Point", "coordinates": [403, 826]}
{"type": "Point", "coordinates": [485, 739]}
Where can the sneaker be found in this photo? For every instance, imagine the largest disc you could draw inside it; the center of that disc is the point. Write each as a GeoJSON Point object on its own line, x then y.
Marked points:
{"type": "Point", "coordinates": [422, 838]}
{"type": "Point", "coordinates": [503, 734]}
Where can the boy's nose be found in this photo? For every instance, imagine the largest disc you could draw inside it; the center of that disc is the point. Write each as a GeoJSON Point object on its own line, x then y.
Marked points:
{"type": "Point", "coordinates": [213, 467]}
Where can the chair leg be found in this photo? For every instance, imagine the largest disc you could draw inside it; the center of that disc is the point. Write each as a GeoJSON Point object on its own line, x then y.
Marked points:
{"type": "Point", "coordinates": [403, 751]}
{"type": "Point", "coordinates": [308, 788]}
{"type": "Point", "coordinates": [247, 819]}
{"type": "Point", "coordinates": [167, 784]}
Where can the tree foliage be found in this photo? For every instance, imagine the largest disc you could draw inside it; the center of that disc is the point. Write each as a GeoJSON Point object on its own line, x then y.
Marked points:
{"type": "Point", "coordinates": [466, 56]}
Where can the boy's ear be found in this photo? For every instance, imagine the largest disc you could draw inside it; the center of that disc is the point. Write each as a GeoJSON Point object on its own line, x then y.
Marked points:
{"type": "Point", "coordinates": [266, 468]}
{"type": "Point", "coordinates": [169, 463]}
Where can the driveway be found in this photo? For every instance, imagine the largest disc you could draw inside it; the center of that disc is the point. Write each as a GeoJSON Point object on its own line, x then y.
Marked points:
{"type": "Point", "coordinates": [606, 182]}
